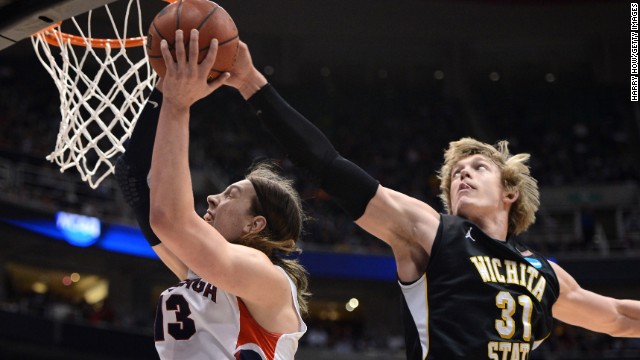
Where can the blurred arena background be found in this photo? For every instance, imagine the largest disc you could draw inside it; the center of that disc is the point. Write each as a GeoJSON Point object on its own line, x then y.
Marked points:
{"type": "Point", "coordinates": [391, 83]}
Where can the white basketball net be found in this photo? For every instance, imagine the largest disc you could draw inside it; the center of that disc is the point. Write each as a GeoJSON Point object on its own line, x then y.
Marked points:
{"type": "Point", "coordinates": [102, 93]}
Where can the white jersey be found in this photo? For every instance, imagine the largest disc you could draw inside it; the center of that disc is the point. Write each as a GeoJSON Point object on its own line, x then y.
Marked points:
{"type": "Point", "coordinates": [197, 321]}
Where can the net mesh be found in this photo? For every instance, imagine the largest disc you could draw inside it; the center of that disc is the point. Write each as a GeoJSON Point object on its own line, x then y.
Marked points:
{"type": "Point", "coordinates": [103, 87]}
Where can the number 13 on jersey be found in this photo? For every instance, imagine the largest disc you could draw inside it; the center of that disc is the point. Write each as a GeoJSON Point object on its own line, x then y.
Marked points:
{"type": "Point", "coordinates": [183, 328]}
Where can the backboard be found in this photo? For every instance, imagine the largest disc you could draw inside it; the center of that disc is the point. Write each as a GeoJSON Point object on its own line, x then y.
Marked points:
{"type": "Point", "coordinates": [22, 18]}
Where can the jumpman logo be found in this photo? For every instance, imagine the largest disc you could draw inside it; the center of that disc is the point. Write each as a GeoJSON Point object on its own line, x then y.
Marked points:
{"type": "Point", "coordinates": [468, 236]}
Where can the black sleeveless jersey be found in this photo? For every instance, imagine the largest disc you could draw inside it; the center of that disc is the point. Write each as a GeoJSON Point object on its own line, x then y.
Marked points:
{"type": "Point", "coordinates": [479, 298]}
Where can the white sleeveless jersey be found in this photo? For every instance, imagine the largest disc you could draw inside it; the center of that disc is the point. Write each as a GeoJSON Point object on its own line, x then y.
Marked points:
{"type": "Point", "coordinates": [197, 321]}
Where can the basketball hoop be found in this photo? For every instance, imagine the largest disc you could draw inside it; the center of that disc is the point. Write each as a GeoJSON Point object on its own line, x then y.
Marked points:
{"type": "Point", "coordinates": [104, 84]}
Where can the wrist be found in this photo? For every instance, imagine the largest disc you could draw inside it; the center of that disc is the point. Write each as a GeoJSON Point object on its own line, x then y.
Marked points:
{"type": "Point", "coordinates": [175, 108]}
{"type": "Point", "coordinates": [254, 82]}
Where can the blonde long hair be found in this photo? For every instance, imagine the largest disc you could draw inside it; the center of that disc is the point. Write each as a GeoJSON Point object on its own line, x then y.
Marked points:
{"type": "Point", "coordinates": [515, 172]}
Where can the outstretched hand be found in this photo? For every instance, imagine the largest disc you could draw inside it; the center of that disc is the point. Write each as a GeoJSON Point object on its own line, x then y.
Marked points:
{"type": "Point", "coordinates": [244, 76]}
{"type": "Point", "coordinates": [185, 81]}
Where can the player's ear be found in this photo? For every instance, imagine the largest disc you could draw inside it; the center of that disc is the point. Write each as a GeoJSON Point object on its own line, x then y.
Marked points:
{"type": "Point", "coordinates": [511, 196]}
{"type": "Point", "coordinates": [258, 223]}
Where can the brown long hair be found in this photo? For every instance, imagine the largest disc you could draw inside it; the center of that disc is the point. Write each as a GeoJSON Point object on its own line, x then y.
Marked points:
{"type": "Point", "coordinates": [281, 205]}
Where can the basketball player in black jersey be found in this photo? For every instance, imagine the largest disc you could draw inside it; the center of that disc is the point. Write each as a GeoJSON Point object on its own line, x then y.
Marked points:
{"type": "Point", "coordinates": [471, 291]}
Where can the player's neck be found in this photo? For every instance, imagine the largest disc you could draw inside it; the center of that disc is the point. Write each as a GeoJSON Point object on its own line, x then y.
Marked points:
{"type": "Point", "coordinates": [495, 225]}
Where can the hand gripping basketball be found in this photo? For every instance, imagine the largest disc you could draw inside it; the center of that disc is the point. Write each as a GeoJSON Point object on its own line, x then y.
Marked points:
{"type": "Point", "coordinates": [186, 79]}
{"type": "Point", "coordinates": [211, 20]}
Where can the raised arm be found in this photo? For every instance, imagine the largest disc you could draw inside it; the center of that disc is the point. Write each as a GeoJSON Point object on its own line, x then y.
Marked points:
{"type": "Point", "coordinates": [580, 307]}
{"type": "Point", "coordinates": [240, 270]}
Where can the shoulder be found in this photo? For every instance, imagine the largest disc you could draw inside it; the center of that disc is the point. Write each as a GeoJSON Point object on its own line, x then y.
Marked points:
{"type": "Point", "coordinates": [566, 282]}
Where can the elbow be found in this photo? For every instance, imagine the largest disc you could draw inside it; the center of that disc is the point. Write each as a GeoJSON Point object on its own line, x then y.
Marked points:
{"type": "Point", "coordinates": [157, 218]}
{"type": "Point", "coordinates": [625, 327]}
{"type": "Point", "coordinates": [162, 221]}
{"type": "Point", "coordinates": [168, 222]}
{"type": "Point", "coordinates": [167, 216]}
{"type": "Point", "coordinates": [622, 331]}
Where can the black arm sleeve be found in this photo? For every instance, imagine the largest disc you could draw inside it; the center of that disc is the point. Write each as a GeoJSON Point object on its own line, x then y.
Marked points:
{"type": "Point", "coordinates": [133, 166]}
{"type": "Point", "coordinates": [307, 147]}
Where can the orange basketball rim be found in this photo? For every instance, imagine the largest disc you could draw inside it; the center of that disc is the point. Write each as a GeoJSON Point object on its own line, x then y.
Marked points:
{"type": "Point", "coordinates": [53, 35]}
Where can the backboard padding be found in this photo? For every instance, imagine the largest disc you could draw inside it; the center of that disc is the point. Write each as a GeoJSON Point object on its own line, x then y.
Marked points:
{"type": "Point", "coordinates": [22, 18]}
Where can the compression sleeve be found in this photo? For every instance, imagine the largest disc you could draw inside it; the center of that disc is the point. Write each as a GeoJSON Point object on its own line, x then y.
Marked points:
{"type": "Point", "coordinates": [133, 166]}
{"type": "Point", "coordinates": [309, 148]}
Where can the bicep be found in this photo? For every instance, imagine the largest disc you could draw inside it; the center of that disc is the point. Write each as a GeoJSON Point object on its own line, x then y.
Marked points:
{"type": "Point", "coordinates": [398, 219]}
{"type": "Point", "coordinates": [581, 307]}
{"type": "Point", "coordinates": [237, 269]}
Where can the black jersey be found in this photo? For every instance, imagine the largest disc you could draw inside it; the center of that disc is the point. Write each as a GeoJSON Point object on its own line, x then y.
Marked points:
{"type": "Point", "coordinates": [479, 298]}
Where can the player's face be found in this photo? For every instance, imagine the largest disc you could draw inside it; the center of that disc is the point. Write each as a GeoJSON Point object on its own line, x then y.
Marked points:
{"type": "Point", "coordinates": [230, 211]}
{"type": "Point", "coordinates": [476, 187]}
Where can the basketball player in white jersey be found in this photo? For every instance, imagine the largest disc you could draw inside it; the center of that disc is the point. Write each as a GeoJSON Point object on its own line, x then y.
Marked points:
{"type": "Point", "coordinates": [238, 298]}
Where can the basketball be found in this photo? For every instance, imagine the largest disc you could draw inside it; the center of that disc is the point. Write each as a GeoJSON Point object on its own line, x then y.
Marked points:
{"type": "Point", "coordinates": [209, 18]}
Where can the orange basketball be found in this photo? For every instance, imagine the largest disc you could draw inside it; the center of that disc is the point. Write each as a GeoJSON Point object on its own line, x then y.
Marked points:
{"type": "Point", "coordinates": [211, 20]}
